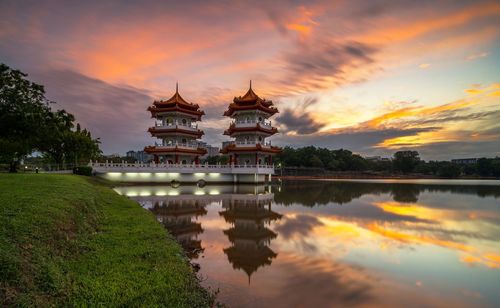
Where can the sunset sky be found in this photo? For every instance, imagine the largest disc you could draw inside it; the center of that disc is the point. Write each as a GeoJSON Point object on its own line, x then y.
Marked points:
{"type": "Point", "coordinates": [370, 76]}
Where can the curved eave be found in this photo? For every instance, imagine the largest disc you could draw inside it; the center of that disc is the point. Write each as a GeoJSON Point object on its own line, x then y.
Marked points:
{"type": "Point", "coordinates": [257, 148]}
{"type": "Point", "coordinates": [233, 107]}
{"type": "Point", "coordinates": [174, 150]}
{"type": "Point", "coordinates": [233, 129]}
{"type": "Point", "coordinates": [194, 113]}
{"type": "Point", "coordinates": [174, 131]}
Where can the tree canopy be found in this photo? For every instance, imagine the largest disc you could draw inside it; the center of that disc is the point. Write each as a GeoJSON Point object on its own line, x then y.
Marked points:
{"type": "Point", "coordinates": [28, 124]}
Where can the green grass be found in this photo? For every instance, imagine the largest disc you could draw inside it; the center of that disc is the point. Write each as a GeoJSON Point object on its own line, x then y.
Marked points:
{"type": "Point", "coordinates": [68, 240]}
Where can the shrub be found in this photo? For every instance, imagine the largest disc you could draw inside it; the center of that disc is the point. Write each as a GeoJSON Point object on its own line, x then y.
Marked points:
{"type": "Point", "coordinates": [83, 170]}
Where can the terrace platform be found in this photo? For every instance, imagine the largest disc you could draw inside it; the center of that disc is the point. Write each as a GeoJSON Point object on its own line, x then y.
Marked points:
{"type": "Point", "coordinates": [182, 173]}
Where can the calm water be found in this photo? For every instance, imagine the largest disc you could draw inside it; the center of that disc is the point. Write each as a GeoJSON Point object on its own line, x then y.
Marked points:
{"type": "Point", "coordinates": [338, 243]}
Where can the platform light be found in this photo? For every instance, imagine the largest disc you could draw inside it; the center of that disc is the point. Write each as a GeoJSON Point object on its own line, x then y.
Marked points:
{"type": "Point", "coordinates": [214, 174]}
{"type": "Point", "coordinates": [173, 193]}
{"type": "Point", "coordinates": [174, 174]}
{"type": "Point", "coordinates": [131, 174]}
{"type": "Point", "coordinates": [199, 174]}
{"type": "Point", "coordinates": [114, 174]}
{"type": "Point", "coordinates": [131, 194]}
{"type": "Point", "coordinates": [145, 174]}
{"type": "Point", "coordinates": [161, 174]}
{"type": "Point", "coordinates": [214, 192]}
{"type": "Point", "coordinates": [145, 194]}
{"type": "Point", "coordinates": [199, 192]}
{"type": "Point", "coordinates": [161, 193]}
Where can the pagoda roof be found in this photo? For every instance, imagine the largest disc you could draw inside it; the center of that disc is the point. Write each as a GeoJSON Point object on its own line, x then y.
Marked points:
{"type": "Point", "coordinates": [257, 148]}
{"type": "Point", "coordinates": [257, 215]}
{"type": "Point", "coordinates": [155, 131]}
{"type": "Point", "coordinates": [249, 234]}
{"type": "Point", "coordinates": [249, 260]}
{"type": "Point", "coordinates": [175, 108]}
{"type": "Point", "coordinates": [176, 103]}
{"type": "Point", "coordinates": [250, 101]}
{"type": "Point", "coordinates": [258, 128]}
{"type": "Point", "coordinates": [178, 210]}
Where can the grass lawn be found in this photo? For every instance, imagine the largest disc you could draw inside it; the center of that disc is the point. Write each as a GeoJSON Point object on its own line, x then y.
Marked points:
{"type": "Point", "coordinates": [69, 240]}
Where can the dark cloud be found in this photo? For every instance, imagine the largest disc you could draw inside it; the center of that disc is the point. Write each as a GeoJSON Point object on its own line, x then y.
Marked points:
{"type": "Point", "coordinates": [116, 114]}
{"type": "Point", "coordinates": [357, 141]}
{"type": "Point", "coordinates": [313, 62]}
{"type": "Point", "coordinates": [299, 120]}
{"type": "Point", "coordinates": [302, 123]}
{"type": "Point", "coordinates": [317, 284]}
{"type": "Point", "coordinates": [300, 225]}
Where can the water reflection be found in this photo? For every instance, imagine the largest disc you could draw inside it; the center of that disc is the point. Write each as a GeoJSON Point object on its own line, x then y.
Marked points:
{"type": "Point", "coordinates": [317, 243]}
{"type": "Point", "coordinates": [249, 236]}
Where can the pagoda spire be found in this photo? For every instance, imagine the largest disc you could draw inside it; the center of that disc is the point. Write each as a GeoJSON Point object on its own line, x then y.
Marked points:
{"type": "Point", "coordinates": [250, 84]}
{"type": "Point", "coordinates": [176, 87]}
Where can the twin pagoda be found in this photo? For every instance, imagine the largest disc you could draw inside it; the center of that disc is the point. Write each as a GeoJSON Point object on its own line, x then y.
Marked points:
{"type": "Point", "coordinates": [176, 128]}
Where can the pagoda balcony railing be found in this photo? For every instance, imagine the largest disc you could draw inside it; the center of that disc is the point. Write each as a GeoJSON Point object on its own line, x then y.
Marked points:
{"type": "Point", "coordinates": [266, 144]}
{"type": "Point", "coordinates": [192, 126]}
{"type": "Point", "coordinates": [251, 123]}
{"type": "Point", "coordinates": [190, 145]}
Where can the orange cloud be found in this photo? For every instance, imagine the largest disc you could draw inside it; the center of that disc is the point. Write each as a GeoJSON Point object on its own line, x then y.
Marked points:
{"type": "Point", "coordinates": [418, 239]}
{"type": "Point", "coordinates": [391, 32]}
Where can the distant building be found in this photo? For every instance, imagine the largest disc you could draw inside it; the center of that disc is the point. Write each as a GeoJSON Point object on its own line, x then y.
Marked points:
{"type": "Point", "coordinates": [464, 161]}
{"type": "Point", "coordinates": [377, 158]}
{"type": "Point", "coordinates": [211, 150]}
{"type": "Point", "coordinates": [140, 156]}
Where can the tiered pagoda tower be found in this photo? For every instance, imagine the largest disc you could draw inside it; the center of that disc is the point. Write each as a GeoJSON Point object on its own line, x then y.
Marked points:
{"type": "Point", "coordinates": [179, 218]}
{"type": "Point", "coordinates": [249, 235]}
{"type": "Point", "coordinates": [177, 130]}
{"type": "Point", "coordinates": [250, 129]}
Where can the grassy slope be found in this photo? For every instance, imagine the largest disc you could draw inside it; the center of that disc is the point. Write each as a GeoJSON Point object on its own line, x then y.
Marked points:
{"type": "Point", "coordinates": [67, 240]}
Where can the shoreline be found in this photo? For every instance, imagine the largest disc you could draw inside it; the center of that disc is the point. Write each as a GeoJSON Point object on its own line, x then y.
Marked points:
{"type": "Point", "coordinates": [374, 177]}
{"type": "Point", "coordinates": [70, 240]}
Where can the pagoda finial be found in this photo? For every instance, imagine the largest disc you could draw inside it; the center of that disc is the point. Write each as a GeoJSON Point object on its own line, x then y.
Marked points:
{"type": "Point", "coordinates": [176, 87]}
{"type": "Point", "coordinates": [250, 84]}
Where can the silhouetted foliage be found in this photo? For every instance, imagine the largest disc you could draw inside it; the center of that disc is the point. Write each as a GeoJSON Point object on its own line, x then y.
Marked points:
{"type": "Point", "coordinates": [319, 161]}
{"type": "Point", "coordinates": [28, 124]}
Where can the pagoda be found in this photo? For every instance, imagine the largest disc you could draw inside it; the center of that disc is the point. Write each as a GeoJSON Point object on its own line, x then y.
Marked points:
{"type": "Point", "coordinates": [250, 128]}
{"type": "Point", "coordinates": [179, 218]}
{"type": "Point", "coordinates": [177, 129]}
{"type": "Point", "coordinates": [249, 235]}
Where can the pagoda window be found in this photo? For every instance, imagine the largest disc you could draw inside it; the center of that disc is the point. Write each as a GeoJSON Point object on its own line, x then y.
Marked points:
{"type": "Point", "coordinates": [184, 140]}
{"type": "Point", "coordinates": [260, 119]}
{"type": "Point", "coordinates": [260, 138]}
{"type": "Point", "coordinates": [169, 121]}
{"type": "Point", "coordinates": [184, 121]}
{"type": "Point", "coordinates": [184, 161]}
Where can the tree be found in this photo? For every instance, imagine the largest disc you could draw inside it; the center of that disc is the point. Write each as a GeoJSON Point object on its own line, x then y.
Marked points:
{"type": "Point", "coordinates": [27, 124]}
{"type": "Point", "coordinates": [23, 110]}
{"type": "Point", "coordinates": [449, 170]}
{"type": "Point", "coordinates": [406, 161]}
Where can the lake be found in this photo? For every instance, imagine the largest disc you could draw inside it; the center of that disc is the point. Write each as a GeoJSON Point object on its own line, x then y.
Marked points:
{"type": "Point", "coordinates": [338, 243]}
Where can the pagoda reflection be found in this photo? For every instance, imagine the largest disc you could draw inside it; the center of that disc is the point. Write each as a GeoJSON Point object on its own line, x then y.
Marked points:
{"type": "Point", "coordinates": [179, 217]}
{"type": "Point", "coordinates": [249, 215]}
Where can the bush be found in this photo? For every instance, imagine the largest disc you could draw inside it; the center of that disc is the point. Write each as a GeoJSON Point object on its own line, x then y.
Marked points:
{"type": "Point", "coordinates": [83, 170]}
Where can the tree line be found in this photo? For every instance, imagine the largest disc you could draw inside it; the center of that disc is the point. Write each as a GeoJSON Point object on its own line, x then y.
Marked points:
{"type": "Point", "coordinates": [402, 162]}
{"type": "Point", "coordinates": [28, 124]}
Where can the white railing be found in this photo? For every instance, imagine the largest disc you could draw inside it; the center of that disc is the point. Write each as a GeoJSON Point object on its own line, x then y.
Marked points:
{"type": "Point", "coordinates": [251, 123]}
{"type": "Point", "coordinates": [190, 145]}
{"type": "Point", "coordinates": [191, 126]}
{"type": "Point", "coordinates": [182, 168]}
{"type": "Point", "coordinates": [251, 143]}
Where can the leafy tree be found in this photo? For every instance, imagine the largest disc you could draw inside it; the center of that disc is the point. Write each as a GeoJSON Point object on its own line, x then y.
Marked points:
{"type": "Point", "coordinates": [449, 170]}
{"type": "Point", "coordinates": [27, 124]}
{"type": "Point", "coordinates": [406, 161]}
{"type": "Point", "coordinates": [484, 167]}
{"type": "Point", "coordinates": [23, 110]}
